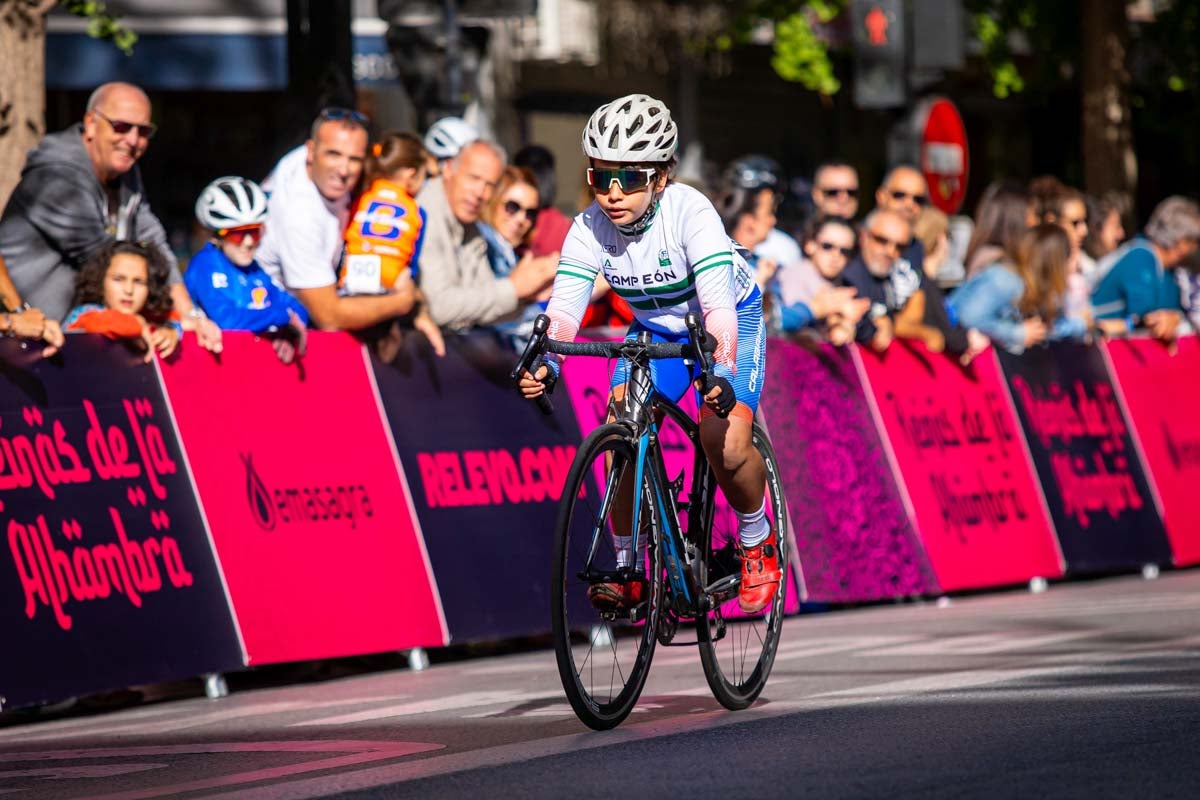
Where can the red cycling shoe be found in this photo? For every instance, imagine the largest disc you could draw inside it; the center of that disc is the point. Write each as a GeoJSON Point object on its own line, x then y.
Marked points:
{"type": "Point", "coordinates": [615, 596]}
{"type": "Point", "coordinates": [760, 575]}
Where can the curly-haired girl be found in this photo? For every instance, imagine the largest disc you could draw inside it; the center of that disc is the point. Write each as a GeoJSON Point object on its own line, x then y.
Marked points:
{"type": "Point", "coordinates": [122, 292]}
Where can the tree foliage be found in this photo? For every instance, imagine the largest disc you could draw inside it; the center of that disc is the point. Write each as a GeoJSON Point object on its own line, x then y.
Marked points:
{"type": "Point", "coordinates": [102, 24]}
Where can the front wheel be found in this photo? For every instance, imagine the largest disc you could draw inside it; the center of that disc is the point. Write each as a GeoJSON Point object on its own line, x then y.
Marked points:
{"type": "Point", "coordinates": [603, 649]}
{"type": "Point", "coordinates": [737, 650]}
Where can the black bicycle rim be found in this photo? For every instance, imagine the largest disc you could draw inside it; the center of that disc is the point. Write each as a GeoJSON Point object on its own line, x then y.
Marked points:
{"type": "Point", "coordinates": [738, 651]}
{"type": "Point", "coordinates": [603, 654]}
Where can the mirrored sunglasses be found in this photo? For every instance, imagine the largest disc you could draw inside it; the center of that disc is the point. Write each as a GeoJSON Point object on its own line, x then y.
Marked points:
{"type": "Point", "coordinates": [630, 179]}
{"type": "Point", "coordinates": [120, 127]}
{"type": "Point", "coordinates": [512, 208]}
{"type": "Point", "coordinates": [239, 236]}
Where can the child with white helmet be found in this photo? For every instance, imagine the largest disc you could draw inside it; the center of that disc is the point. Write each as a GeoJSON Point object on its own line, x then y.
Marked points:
{"type": "Point", "coordinates": [225, 280]}
{"type": "Point", "coordinates": [445, 138]}
{"type": "Point", "coordinates": [662, 247]}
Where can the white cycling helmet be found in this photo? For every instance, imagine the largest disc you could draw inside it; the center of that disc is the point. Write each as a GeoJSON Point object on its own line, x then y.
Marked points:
{"type": "Point", "coordinates": [231, 202]}
{"type": "Point", "coordinates": [449, 135]}
{"type": "Point", "coordinates": [631, 129]}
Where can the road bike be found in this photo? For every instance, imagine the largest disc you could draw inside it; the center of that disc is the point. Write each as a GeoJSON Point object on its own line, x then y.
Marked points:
{"type": "Point", "coordinates": [622, 521]}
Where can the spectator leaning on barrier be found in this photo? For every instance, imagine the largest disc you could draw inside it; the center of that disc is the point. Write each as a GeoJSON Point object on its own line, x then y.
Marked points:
{"type": "Point", "coordinates": [1068, 211]}
{"type": "Point", "coordinates": [903, 303]}
{"type": "Point", "coordinates": [748, 214]}
{"type": "Point", "coordinates": [309, 207]}
{"type": "Point", "coordinates": [79, 190]}
{"type": "Point", "coordinates": [1021, 303]}
{"type": "Point", "coordinates": [763, 175]}
{"type": "Point", "coordinates": [835, 190]}
{"type": "Point", "coordinates": [386, 234]}
{"type": "Point", "coordinates": [1004, 213]}
{"type": "Point", "coordinates": [228, 283]}
{"type": "Point", "coordinates": [807, 294]}
{"type": "Point", "coordinates": [905, 192]}
{"type": "Point", "coordinates": [123, 292]}
{"type": "Point", "coordinates": [1140, 290]}
{"type": "Point", "coordinates": [507, 224]}
{"type": "Point", "coordinates": [1105, 232]}
{"type": "Point", "coordinates": [456, 275]}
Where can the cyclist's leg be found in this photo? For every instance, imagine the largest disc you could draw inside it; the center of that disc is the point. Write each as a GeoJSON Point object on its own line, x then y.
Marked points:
{"type": "Point", "coordinates": [737, 464]}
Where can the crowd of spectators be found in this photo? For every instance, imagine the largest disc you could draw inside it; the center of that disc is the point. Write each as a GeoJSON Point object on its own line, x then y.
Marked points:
{"type": "Point", "coordinates": [442, 233]}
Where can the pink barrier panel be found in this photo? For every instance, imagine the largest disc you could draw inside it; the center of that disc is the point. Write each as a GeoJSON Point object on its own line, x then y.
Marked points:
{"type": "Point", "coordinates": [1158, 389]}
{"type": "Point", "coordinates": [853, 535]}
{"type": "Point", "coordinates": [959, 452]}
{"type": "Point", "coordinates": [587, 381]}
{"type": "Point", "coordinates": [304, 498]}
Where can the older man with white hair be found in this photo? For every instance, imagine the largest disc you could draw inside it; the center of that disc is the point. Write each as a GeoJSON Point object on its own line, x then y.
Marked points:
{"type": "Point", "coordinates": [80, 189]}
{"type": "Point", "coordinates": [1139, 290]}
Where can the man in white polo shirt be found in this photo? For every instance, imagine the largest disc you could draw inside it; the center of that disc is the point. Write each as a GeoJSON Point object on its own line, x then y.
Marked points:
{"type": "Point", "coordinates": [310, 204]}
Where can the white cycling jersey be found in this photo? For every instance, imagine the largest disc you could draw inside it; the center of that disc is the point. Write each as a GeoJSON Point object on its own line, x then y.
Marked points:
{"type": "Point", "coordinates": [683, 262]}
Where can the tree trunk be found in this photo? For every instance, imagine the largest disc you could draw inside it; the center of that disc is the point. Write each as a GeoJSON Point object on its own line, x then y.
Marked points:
{"type": "Point", "coordinates": [22, 85]}
{"type": "Point", "coordinates": [1109, 160]}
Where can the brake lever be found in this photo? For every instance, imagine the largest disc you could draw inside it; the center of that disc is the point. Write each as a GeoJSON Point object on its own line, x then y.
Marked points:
{"type": "Point", "coordinates": [531, 360]}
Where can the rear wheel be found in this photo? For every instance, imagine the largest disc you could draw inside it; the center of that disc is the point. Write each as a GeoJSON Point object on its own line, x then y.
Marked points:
{"type": "Point", "coordinates": [604, 652]}
{"type": "Point", "coordinates": [737, 650]}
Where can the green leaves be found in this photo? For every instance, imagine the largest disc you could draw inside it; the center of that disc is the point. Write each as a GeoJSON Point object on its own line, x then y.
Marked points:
{"type": "Point", "coordinates": [102, 24]}
{"type": "Point", "coordinates": [800, 56]}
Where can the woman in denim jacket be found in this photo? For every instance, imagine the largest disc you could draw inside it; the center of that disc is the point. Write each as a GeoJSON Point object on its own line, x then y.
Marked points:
{"type": "Point", "coordinates": [1020, 304]}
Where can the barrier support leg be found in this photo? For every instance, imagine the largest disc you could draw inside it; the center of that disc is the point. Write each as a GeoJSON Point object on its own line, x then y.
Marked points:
{"type": "Point", "coordinates": [418, 659]}
{"type": "Point", "coordinates": [1038, 585]}
{"type": "Point", "coordinates": [1149, 571]}
{"type": "Point", "coordinates": [215, 687]}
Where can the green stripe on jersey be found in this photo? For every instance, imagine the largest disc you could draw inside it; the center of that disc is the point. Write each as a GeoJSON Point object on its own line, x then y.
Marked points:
{"type": "Point", "coordinates": [573, 274]}
{"type": "Point", "coordinates": [579, 265]}
{"type": "Point", "coordinates": [699, 262]}
{"type": "Point", "coordinates": [713, 264]}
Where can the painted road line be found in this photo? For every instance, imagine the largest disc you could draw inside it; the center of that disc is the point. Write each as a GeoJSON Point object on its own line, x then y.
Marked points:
{"type": "Point", "coordinates": [356, 753]}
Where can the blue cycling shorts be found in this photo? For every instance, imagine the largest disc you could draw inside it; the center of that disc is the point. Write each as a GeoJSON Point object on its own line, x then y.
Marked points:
{"type": "Point", "coordinates": [673, 376]}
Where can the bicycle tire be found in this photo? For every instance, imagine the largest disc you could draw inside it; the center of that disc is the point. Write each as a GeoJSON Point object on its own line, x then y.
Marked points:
{"type": "Point", "coordinates": [724, 660]}
{"type": "Point", "coordinates": [583, 637]}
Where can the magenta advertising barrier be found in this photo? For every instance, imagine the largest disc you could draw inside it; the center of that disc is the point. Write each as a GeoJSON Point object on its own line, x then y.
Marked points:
{"type": "Point", "coordinates": [486, 471]}
{"type": "Point", "coordinates": [853, 534]}
{"type": "Point", "coordinates": [1103, 509]}
{"type": "Point", "coordinates": [304, 496]}
{"type": "Point", "coordinates": [260, 513]}
{"type": "Point", "coordinates": [1158, 387]}
{"type": "Point", "coordinates": [962, 460]}
{"type": "Point", "coordinates": [108, 577]}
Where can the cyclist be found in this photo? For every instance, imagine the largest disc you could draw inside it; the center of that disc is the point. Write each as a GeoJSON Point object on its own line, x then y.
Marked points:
{"type": "Point", "coordinates": [662, 247]}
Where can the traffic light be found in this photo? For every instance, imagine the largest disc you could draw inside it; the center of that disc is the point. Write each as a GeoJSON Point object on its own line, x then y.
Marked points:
{"type": "Point", "coordinates": [880, 53]}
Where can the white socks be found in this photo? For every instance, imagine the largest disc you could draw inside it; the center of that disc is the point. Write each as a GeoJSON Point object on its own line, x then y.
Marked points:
{"type": "Point", "coordinates": [753, 528]}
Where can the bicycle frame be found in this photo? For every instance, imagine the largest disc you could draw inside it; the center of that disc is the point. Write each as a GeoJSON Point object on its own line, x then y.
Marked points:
{"type": "Point", "coordinates": [641, 402]}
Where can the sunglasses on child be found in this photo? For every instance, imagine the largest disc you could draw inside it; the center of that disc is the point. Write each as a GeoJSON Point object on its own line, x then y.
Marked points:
{"type": "Point", "coordinates": [630, 179]}
{"type": "Point", "coordinates": [120, 127]}
{"type": "Point", "coordinates": [512, 208]}
{"type": "Point", "coordinates": [239, 236]}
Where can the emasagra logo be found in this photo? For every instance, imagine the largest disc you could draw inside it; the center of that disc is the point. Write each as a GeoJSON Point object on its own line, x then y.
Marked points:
{"type": "Point", "coordinates": [258, 496]}
{"type": "Point", "coordinates": [290, 504]}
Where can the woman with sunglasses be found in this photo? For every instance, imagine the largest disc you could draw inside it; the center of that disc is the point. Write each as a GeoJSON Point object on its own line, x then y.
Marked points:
{"type": "Point", "coordinates": [809, 295]}
{"type": "Point", "coordinates": [506, 224]}
{"type": "Point", "coordinates": [662, 247]}
{"type": "Point", "coordinates": [224, 278]}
